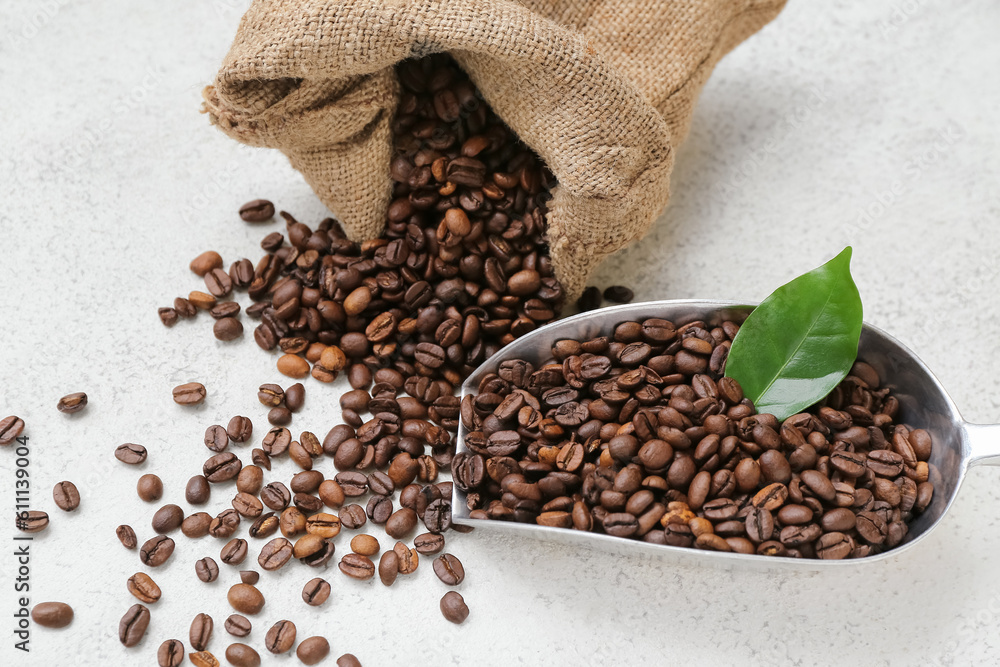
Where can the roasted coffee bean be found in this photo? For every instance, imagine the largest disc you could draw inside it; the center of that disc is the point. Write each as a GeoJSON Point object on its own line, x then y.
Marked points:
{"type": "Point", "coordinates": [275, 554]}
{"type": "Point", "coordinates": [206, 569]}
{"type": "Point", "coordinates": [353, 516]}
{"type": "Point", "coordinates": [618, 294]}
{"type": "Point", "coordinates": [312, 650]}
{"type": "Point", "coordinates": [10, 429]}
{"type": "Point", "coordinates": [280, 637]}
{"type": "Point", "coordinates": [245, 599]}
{"type": "Point", "coordinates": [167, 518]}
{"type": "Point", "coordinates": [71, 403]}
{"type": "Point", "coordinates": [221, 467]}
{"type": "Point", "coordinates": [52, 614]}
{"type": "Point", "coordinates": [131, 454]}
{"type": "Point", "coordinates": [316, 592]}
{"type": "Point", "coordinates": [126, 536]}
{"type": "Point", "coordinates": [168, 316]}
{"type": "Point", "coordinates": [270, 395]}
{"type": "Point", "coordinates": [66, 496]}
{"type": "Point", "coordinates": [238, 626]}
{"type": "Point", "coordinates": [142, 586]}
{"type": "Point", "coordinates": [203, 659]}
{"type": "Point", "coordinates": [449, 569]}
{"type": "Point", "coordinates": [258, 210]}
{"type": "Point", "coordinates": [234, 552]}
{"type": "Point", "coordinates": [191, 393]}
{"type": "Point", "coordinates": [408, 558]}
{"type": "Point", "coordinates": [200, 632]}
{"type": "Point", "coordinates": [196, 525]}
{"type": "Point", "coordinates": [388, 567]}
{"type": "Point", "coordinates": [156, 551]}
{"type": "Point", "coordinates": [170, 653]}
{"type": "Point", "coordinates": [198, 490]}
{"type": "Point", "coordinates": [348, 660]}
{"type": "Point", "coordinates": [276, 442]}
{"type": "Point", "coordinates": [357, 566]}
{"type": "Point", "coordinates": [240, 429]}
{"type": "Point", "coordinates": [241, 655]}
{"type": "Point", "coordinates": [453, 607]}
{"type": "Point", "coordinates": [133, 625]}
{"type": "Point", "coordinates": [216, 438]}
{"type": "Point", "coordinates": [428, 543]}
{"type": "Point", "coordinates": [437, 516]}
{"type": "Point", "coordinates": [225, 524]}
{"type": "Point", "coordinates": [295, 397]}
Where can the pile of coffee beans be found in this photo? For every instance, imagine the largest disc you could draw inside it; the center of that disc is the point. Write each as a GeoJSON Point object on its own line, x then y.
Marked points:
{"type": "Point", "coordinates": [637, 434]}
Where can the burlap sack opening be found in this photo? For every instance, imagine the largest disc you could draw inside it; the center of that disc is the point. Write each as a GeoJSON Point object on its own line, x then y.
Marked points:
{"type": "Point", "coordinates": [602, 90]}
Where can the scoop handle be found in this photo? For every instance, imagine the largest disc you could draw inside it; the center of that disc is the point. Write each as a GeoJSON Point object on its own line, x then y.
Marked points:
{"type": "Point", "coordinates": [984, 444]}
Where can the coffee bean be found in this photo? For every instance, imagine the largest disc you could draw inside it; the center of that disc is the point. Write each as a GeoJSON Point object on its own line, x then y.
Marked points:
{"type": "Point", "coordinates": [52, 614]}
{"type": "Point", "coordinates": [408, 558]}
{"type": "Point", "coordinates": [237, 626]}
{"type": "Point", "coordinates": [196, 525]}
{"type": "Point", "coordinates": [234, 552]}
{"type": "Point", "coordinates": [249, 481]}
{"type": "Point", "coordinates": [275, 554]}
{"type": "Point", "coordinates": [241, 655]}
{"type": "Point", "coordinates": [66, 496]}
{"type": "Point", "coordinates": [149, 488]}
{"type": "Point", "coordinates": [353, 516]}
{"type": "Point", "coordinates": [142, 586]}
{"type": "Point", "coordinates": [203, 659]}
{"type": "Point", "coordinates": [428, 543]}
{"type": "Point", "coordinates": [313, 650]}
{"type": "Point", "coordinates": [316, 592]}
{"type": "Point", "coordinates": [295, 396]}
{"type": "Point", "coordinates": [449, 569]}
{"type": "Point", "coordinates": [834, 546]}
{"type": "Point", "coordinates": [280, 637]}
{"type": "Point", "coordinates": [167, 518]}
{"type": "Point", "coordinates": [357, 566]}
{"type": "Point", "coordinates": [279, 416]}
{"type": "Point", "coordinates": [225, 524]}
{"type": "Point", "coordinates": [245, 599]}
{"type": "Point", "coordinates": [453, 607]}
{"type": "Point", "coordinates": [437, 516]}
{"type": "Point", "coordinates": [130, 453]}
{"type": "Point", "coordinates": [366, 545]}
{"type": "Point", "coordinates": [205, 262]}
{"type": "Point", "coordinates": [170, 653]}
{"type": "Point", "coordinates": [198, 490]}
{"type": "Point", "coordinates": [191, 393]}
{"type": "Point", "coordinates": [133, 625]}
{"type": "Point", "coordinates": [126, 536]}
{"type": "Point", "coordinates": [589, 300]}
{"type": "Point", "coordinates": [247, 504]}
{"type": "Point", "coordinates": [258, 210]}
{"type": "Point", "coordinates": [206, 569]}
{"type": "Point", "coordinates": [31, 521]}
{"type": "Point", "coordinates": [72, 403]}
{"type": "Point", "coordinates": [388, 567]}
{"type": "Point", "coordinates": [221, 467]}
{"type": "Point", "coordinates": [156, 550]}
{"type": "Point", "coordinates": [348, 660]}
{"type": "Point", "coordinates": [618, 294]}
{"type": "Point", "coordinates": [10, 429]}
{"type": "Point", "coordinates": [200, 632]}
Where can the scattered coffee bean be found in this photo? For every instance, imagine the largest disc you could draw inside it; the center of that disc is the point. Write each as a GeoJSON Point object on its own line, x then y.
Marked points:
{"type": "Point", "coordinates": [295, 397]}
{"type": "Point", "coordinates": [258, 210]}
{"type": "Point", "coordinates": [203, 659]}
{"type": "Point", "coordinates": [71, 403]}
{"type": "Point", "coordinates": [234, 552]}
{"type": "Point", "coordinates": [168, 518]}
{"type": "Point", "coordinates": [156, 551]}
{"type": "Point", "coordinates": [31, 521]}
{"type": "Point", "coordinates": [449, 569]}
{"type": "Point", "coordinates": [206, 569]}
{"type": "Point", "coordinates": [126, 536]}
{"type": "Point", "coordinates": [10, 429]}
{"type": "Point", "coordinates": [313, 650]}
{"type": "Point", "coordinates": [280, 637]}
{"type": "Point", "coordinates": [453, 607]}
{"type": "Point", "coordinates": [270, 395]}
{"type": "Point", "coordinates": [130, 453]}
{"type": "Point", "coordinates": [205, 262]}
{"type": "Point", "coordinates": [52, 614]}
{"type": "Point", "coordinates": [246, 599]}
{"type": "Point", "coordinates": [241, 655]}
{"type": "Point", "coordinates": [316, 592]}
{"type": "Point", "coordinates": [142, 586]}
{"type": "Point", "coordinates": [66, 496]}
{"type": "Point", "coordinates": [388, 567]}
{"type": "Point", "coordinates": [191, 393]}
{"type": "Point", "coordinates": [198, 490]}
{"type": "Point", "coordinates": [238, 626]}
{"type": "Point", "coordinates": [201, 631]}
{"type": "Point", "coordinates": [150, 488]}
{"type": "Point", "coordinates": [348, 660]}
{"type": "Point", "coordinates": [357, 566]}
{"type": "Point", "coordinates": [618, 294]}
{"type": "Point", "coordinates": [133, 625]}
{"type": "Point", "coordinates": [170, 653]}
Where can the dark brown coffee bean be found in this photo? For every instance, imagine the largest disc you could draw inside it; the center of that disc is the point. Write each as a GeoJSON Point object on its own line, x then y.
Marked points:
{"type": "Point", "coordinates": [131, 454]}
{"type": "Point", "coordinates": [295, 397]}
{"type": "Point", "coordinates": [66, 496]}
{"type": "Point", "coordinates": [219, 284]}
{"type": "Point", "coordinates": [52, 614]}
{"type": "Point", "coordinates": [348, 660]}
{"type": "Point", "coordinates": [239, 429]}
{"type": "Point", "coordinates": [200, 632]}
{"type": "Point", "coordinates": [126, 536]}
{"type": "Point", "coordinates": [275, 554]}
{"type": "Point", "coordinates": [156, 551]}
{"type": "Point", "coordinates": [428, 543]}
{"type": "Point", "coordinates": [280, 637]}
{"type": "Point", "coordinates": [353, 516]}
{"type": "Point", "coordinates": [401, 523]}
{"type": "Point", "coordinates": [357, 566]}
{"type": "Point", "coordinates": [453, 607]}
{"type": "Point", "coordinates": [388, 568]}
{"type": "Point", "coordinates": [258, 210]}
{"type": "Point", "coordinates": [237, 626]}
{"type": "Point", "coordinates": [192, 393]}
{"type": "Point", "coordinates": [168, 518]}
{"type": "Point", "coordinates": [225, 524]}
{"type": "Point", "coordinates": [313, 650]}
{"type": "Point", "coordinates": [449, 569]}
{"type": "Point", "coordinates": [437, 516]}
{"type": "Point", "coordinates": [834, 546]}
{"type": "Point", "coordinates": [72, 403]}
{"type": "Point", "coordinates": [234, 552]}
{"type": "Point", "coordinates": [206, 569]}
{"type": "Point", "coordinates": [276, 441]}
{"type": "Point", "coordinates": [221, 467]}
{"type": "Point", "coordinates": [170, 653]}
{"type": "Point", "coordinates": [133, 625]}
{"type": "Point", "coordinates": [198, 490]}
{"type": "Point", "coordinates": [316, 592]}
{"type": "Point", "coordinates": [216, 438]}
{"type": "Point", "coordinates": [10, 429]}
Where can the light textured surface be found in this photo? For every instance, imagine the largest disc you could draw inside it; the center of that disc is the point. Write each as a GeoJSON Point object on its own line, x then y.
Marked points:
{"type": "Point", "coordinates": [111, 183]}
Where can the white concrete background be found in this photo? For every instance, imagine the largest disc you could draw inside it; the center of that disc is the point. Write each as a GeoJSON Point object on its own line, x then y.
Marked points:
{"type": "Point", "coordinates": [870, 123]}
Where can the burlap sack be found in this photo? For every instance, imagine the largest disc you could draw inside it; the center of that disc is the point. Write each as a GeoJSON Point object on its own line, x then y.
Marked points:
{"type": "Point", "coordinates": [602, 90]}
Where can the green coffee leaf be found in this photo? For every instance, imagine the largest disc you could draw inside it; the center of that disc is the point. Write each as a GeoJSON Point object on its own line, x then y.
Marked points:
{"type": "Point", "coordinates": [801, 341]}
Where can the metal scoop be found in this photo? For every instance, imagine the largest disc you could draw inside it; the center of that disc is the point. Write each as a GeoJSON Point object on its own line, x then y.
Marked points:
{"type": "Point", "coordinates": [958, 445]}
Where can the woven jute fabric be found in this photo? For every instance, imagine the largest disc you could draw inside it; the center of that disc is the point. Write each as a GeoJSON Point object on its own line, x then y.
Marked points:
{"type": "Point", "coordinates": [602, 90]}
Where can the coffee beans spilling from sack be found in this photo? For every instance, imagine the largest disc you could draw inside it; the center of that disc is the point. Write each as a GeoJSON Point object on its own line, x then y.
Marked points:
{"type": "Point", "coordinates": [639, 435]}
